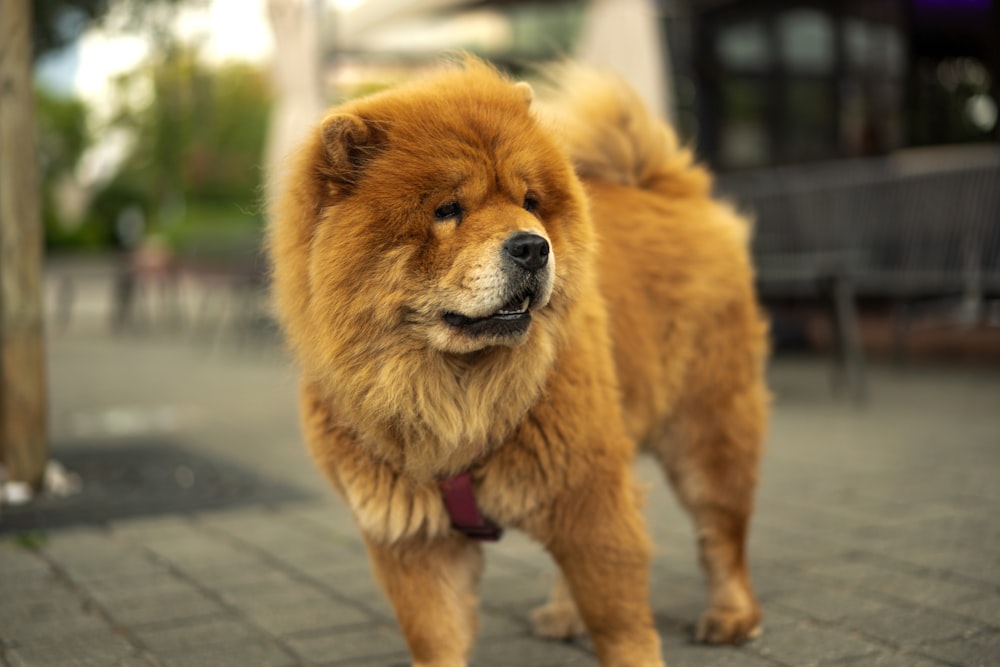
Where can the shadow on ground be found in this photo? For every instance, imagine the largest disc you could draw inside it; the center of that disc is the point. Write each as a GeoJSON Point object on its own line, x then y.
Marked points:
{"type": "Point", "coordinates": [143, 477]}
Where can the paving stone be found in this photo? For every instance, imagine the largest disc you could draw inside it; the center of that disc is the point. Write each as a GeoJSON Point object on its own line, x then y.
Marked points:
{"type": "Point", "coordinates": [95, 649]}
{"type": "Point", "coordinates": [979, 651]}
{"type": "Point", "coordinates": [395, 660]}
{"type": "Point", "coordinates": [806, 644]}
{"type": "Point", "coordinates": [492, 625]}
{"type": "Point", "coordinates": [95, 556]}
{"type": "Point", "coordinates": [161, 608]}
{"type": "Point", "coordinates": [955, 528]}
{"type": "Point", "coordinates": [17, 561]}
{"type": "Point", "coordinates": [40, 576]}
{"type": "Point", "coordinates": [54, 628]}
{"type": "Point", "coordinates": [359, 584]}
{"type": "Point", "coordinates": [90, 659]}
{"type": "Point", "coordinates": [680, 602]}
{"type": "Point", "coordinates": [517, 546]}
{"type": "Point", "coordinates": [347, 644]}
{"type": "Point", "coordinates": [910, 627]}
{"type": "Point", "coordinates": [771, 535]}
{"type": "Point", "coordinates": [258, 576]}
{"type": "Point", "coordinates": [51, 608]}
{"type": "Point", "coordinates": [890, 660]}
{"type": "Point", "coordinates": [242, 654]}
{"type": "Point", "coordinates": [985, 608]}
{"type": "Point", "coordinates": [265, 530]}
{"type": "Point", "coordinates": [293, 594]}
{"type": "Point", "coordinates": [674, 633]}
{"type": "Point", "coordinates": [200, 633]}
{"type": "Point", "coordinates": [291, 618]}
{"type": "Point", "coordinates": [125, 566]}
{"type": "Point", "coordinates": [206, 558]}
{"type": "Point", "coordinates": [338, 572]}
{"type": "Point", "coordinates": [79, 542]}
{"type": "Point", "coordinates": [330, 518]}
{"type": "Point", "coordinates": [920, 589]}
{"type": "Point", "coordinates": [781, 620]}
{"type": "Point", "coordinates": [27, 585]}
{"type": "Point", "coordinates": [772, 576]}
{"type": "Point", "coordinates": [137, 587]}
{"type": "Point", "coordinates": [152, 529]}
{"type": "Point", "coordinates": [261, 576]}
{"type": "Point", "coordinates": [970, 561]}
{"type": "Point", "coordinates": [712, 656]}
{"type": "Point", "coordinates": [529, 652]}
{"type": "Point", "coordinates": [517, 592]}
{"type": "Point", "coordinates": [323, 562]}
{"type": "Point", "coordinates": [828, 602]}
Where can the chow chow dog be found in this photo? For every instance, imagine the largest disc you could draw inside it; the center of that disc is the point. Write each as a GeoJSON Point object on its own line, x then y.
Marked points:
{"type": "Point", "coordinates": [495, 303]}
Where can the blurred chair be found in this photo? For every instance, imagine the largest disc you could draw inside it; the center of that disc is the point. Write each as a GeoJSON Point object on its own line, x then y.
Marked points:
{"type": "Point", "coordinates": [227, 278]}
{"type": "Point", "coordinates": [911, 229]}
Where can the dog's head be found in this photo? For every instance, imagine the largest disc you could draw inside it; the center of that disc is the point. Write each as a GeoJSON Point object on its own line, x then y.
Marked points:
{"type": "Point", "coordinates": [437, 216]}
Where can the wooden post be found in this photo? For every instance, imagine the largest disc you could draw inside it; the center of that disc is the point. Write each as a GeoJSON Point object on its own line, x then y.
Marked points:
{"type": "Point", "coordinates": [23, 442]}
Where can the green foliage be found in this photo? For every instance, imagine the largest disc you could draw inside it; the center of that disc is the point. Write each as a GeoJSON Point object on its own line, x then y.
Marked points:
{"type": "Point", "coordinates": [197, 158]}
{"type": "Point", "coordinates": [197, 132]}
{"type": "Point", "coordinates": [62, 139]}
{"type": "Point", "coordinates": [62, 132]}
{"type": "Point", "coordinates": [29, 541]}
{"type": "Point", "coordinates": [98, 229]}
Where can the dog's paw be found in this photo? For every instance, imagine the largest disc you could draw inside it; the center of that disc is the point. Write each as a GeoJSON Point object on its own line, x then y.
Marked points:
{"type": "Point", "coordinates": [557, 621]}
{"type": "Point", "coordinates": [729, 625]}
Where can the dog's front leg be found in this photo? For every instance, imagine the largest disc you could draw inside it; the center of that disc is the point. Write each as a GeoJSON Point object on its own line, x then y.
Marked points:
{"type": "Point", "coordinates": [432, 583]}
{"type": "Point", "coordinates": [596, 536]}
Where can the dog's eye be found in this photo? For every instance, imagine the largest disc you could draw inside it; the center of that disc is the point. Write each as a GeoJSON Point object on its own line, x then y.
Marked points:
{"type": "Point", "coordinates": [530, 204]}
{"type": "Point", "coordinates": [450, 211]}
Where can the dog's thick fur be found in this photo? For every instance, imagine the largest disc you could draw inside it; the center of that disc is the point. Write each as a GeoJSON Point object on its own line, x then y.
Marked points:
{"type": "Point", "coordinates": [394, 281]}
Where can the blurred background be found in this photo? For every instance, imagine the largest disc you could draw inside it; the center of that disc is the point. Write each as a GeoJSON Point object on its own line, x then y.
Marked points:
{"type": "Point", "coordinates": [861, 133]}
{"type": "Point", "coordinates": [144, 388]}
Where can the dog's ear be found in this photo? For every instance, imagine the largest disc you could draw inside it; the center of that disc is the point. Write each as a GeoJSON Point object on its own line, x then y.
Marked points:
{"type": "Point", "coordinates": [349, 142]}
{"type": "Point", "coordinates": [527, 94]}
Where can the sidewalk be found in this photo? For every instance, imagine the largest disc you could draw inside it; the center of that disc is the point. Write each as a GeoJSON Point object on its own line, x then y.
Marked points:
{"type": "Point", "coordinates": [877, 540]}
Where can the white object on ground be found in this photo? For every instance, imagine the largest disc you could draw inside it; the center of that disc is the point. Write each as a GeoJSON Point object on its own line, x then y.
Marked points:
{"type": "Point", "coordinates": [56, 481]}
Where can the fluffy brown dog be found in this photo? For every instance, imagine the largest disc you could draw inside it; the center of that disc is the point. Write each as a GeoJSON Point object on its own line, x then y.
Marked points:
{"type": "Point", "coordinates": [460, 301]}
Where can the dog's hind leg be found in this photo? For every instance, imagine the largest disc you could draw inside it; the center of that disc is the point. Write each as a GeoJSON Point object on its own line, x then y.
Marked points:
{"type": "Point", "coordinates": [558, 618]}
{"type": "Point", "coordinates": [711, 462]}
{"type": "Point", "coordinates": [432, 587]}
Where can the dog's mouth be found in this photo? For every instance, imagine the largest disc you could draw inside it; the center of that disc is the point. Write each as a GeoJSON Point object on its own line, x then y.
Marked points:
{"type": "Point", "coordinates": [511, 319]}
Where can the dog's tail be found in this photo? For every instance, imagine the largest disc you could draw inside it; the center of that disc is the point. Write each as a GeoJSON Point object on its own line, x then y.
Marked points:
{"type": "Point", "coordinates": [611, 135]}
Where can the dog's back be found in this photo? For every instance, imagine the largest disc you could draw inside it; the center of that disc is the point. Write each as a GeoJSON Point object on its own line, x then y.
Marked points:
{"type": "Point", "coordinates": [674, 263]}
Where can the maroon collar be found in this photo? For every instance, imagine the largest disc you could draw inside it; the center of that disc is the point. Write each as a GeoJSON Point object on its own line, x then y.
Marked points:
{"type": "Point", "coordinates": [460, 502]}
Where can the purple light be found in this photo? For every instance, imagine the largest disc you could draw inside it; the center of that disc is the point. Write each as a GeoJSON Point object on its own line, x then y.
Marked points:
{"type": "Point", "coordinates": [953, 4]}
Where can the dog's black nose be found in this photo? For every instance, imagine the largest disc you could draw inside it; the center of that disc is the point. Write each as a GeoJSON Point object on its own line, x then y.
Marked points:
{"type": "Point", "coordinates": [529, 251]}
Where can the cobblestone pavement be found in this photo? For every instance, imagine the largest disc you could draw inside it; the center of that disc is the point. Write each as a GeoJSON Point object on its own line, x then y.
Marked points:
{"type": "Point", "coordinates": [204, 537]}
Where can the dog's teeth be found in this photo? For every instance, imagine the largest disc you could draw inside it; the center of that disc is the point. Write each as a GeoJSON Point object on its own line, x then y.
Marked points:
{"type": "Point", "coordinates": [512, 309]}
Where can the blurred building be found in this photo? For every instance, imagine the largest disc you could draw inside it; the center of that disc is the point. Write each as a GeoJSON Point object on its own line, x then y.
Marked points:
{"type": "Point", "coordinates": [752, 83]}
{"type": "Point", "coordinates": [771, 82]}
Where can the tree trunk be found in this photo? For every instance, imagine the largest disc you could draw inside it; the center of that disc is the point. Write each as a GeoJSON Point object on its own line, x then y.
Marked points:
{"type": "Point", "coordinates": [23, 445]}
